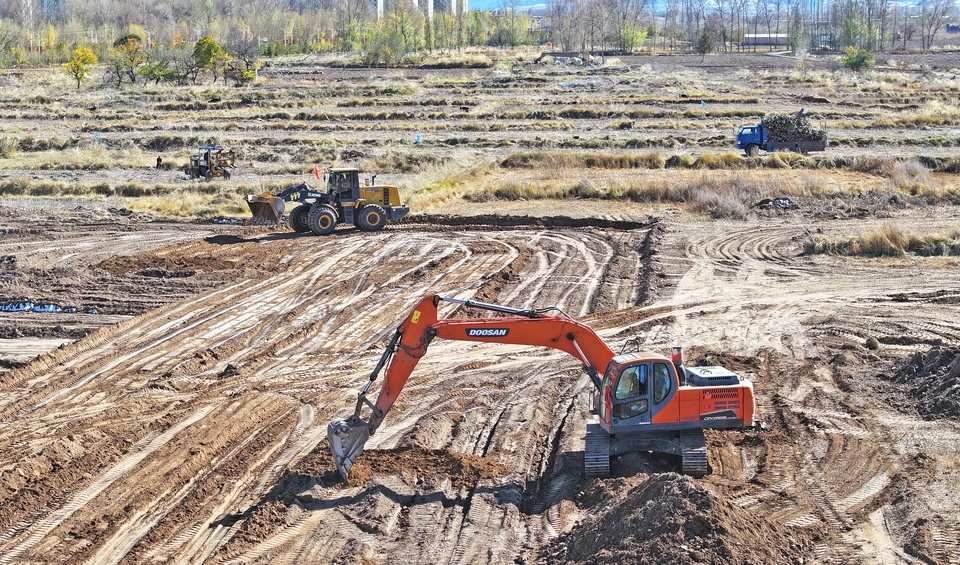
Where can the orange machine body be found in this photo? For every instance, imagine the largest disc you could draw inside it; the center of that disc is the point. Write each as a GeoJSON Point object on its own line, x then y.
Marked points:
{"type": "Point", "coordinates": [655, 398]}
{"type": "Point", "coordinates": [644, 391]}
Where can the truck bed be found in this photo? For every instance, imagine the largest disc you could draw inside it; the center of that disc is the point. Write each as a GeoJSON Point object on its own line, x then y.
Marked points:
{"type": "Point", "coordinates": [796, 146]}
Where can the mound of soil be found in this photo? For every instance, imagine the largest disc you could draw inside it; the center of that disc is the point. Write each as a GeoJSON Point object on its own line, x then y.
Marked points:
{"type": "Point", "coordinates": [933, 379]}
{"type": "Point", "coordinates": [668, 519]}
{"type": "Point", "coordinates": [462, 469]}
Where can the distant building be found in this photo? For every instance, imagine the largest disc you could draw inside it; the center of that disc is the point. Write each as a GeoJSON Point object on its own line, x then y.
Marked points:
{"type": "Point", "coordinates": [427, 7]}
{"type": "Point", "coordinates": [765, 39]}
{"type": "Point", "coordinates": [52, 10]}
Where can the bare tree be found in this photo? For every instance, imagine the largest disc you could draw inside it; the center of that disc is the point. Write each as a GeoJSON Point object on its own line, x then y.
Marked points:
{"type": "Point", "coordinates": [725, 25]}
{"type": "Point", "coordinates": [561, 22]}
{"type": "Point", "coordinates": [350, 17]}
{"type": "Point", "coordinates": [598, 24]}
{"type": "Point", "coordinates": [740, 6]}
{"type": "Point", "coordinates": [671, 23]}
{"type": "Point", "coordinates": [696, 16]}
{"type": "Point", "coordinates": [883, 14]}
{"type": "Point", "coordinates": [509, 22]}
{"type": "Point", "coordinates": [763, 11]}
{"type": "Point", "coordinates": [933, 13]}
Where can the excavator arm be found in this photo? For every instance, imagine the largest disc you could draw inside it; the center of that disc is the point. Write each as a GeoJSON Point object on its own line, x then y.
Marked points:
{"type": "Point", "coordinates": [422, 325]}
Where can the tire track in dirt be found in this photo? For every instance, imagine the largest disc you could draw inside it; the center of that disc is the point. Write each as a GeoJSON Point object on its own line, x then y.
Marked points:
{"type": "Point", "coordinates": [841, 469]}
{"type": "Point", "coordinates": [52, 521]}
{"type": "Point", "coordinates": [294, 347]}
{"type": "Point", "coordinates": [215, 328]}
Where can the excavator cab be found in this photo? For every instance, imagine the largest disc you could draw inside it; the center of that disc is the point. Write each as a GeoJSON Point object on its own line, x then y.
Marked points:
{"type": "Point", "coordinates": [636, 388]}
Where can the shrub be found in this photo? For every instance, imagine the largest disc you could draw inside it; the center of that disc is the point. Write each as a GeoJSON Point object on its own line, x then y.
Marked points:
{"type": "Point", "coordinates": [775, 161]}
{"type": "Point", "coordinates": [8, 147]}
{"type": "Point", "coordinates": [730, 198]}
{"type": "Point", "coordinates": [858, 60]}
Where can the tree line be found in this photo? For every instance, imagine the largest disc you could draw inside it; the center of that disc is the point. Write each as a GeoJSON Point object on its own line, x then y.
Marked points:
{"type": "Point", "coordinates": [168, 31]}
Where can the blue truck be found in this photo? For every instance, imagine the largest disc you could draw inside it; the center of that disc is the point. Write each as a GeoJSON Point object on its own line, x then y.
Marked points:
{"type": "Point", "coordinates": [780, 132]}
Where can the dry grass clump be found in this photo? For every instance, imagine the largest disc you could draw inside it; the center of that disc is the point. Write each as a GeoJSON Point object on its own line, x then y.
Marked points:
{"type": "Point", "coordinates": [730, 198]}
{"type": "Point", "coordinates": [719, 198]}
{"type": "Point", "coordinates": [722, 161]}
{"type": "Point", "coordinates": [911, 177]}
{"type": "Point", "coordinates": [888, 241]}
{"type": "Point", "coordinates": [555, 161]}
{"type": "Point", "coordinates": [200, 200]}
{"type": "Point", "coordinates": [932, 113]}
{"type": "Point", "coordinates": [8, 147]}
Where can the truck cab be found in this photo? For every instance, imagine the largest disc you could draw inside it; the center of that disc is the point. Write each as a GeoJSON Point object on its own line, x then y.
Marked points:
{"type": "Point", "coordinates": [751, 139]}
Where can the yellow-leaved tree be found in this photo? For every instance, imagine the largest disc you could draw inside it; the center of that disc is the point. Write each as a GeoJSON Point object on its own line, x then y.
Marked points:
{"type": "Point", "coordinates": [80, 65]}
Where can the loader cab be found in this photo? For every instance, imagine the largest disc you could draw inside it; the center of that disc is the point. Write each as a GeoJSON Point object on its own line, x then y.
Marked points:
{"type": "Point", "coordinates": [635, 387]}
{"type": "Point", "coordinates": [344, 183]}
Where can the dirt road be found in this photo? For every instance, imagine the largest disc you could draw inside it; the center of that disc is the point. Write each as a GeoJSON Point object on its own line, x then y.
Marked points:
{"type": "Point", "coordinates": [195, 431]}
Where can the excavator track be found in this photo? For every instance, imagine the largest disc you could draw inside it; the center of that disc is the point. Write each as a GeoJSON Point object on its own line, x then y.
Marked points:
{"type": "Point", "coordinates": [596, 453]}
{"type": "Point", "coordinates": [694, 447]}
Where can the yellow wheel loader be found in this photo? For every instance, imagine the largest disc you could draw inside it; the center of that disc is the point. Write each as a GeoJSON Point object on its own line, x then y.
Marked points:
{"type": "Point", "coordinates": [368, 206]}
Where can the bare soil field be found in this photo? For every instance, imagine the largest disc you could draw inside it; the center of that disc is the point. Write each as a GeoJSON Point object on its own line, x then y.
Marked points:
{"type": "Point", "coordinates": [176, 410]}
{"type": "Point", "coordinates": [194, 431]}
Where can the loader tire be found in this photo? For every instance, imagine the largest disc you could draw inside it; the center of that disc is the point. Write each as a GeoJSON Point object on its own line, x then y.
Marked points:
{"type": "Point", "coordinates": [322, 220]}
{"type": "Point", "coordinates": [372, 218]}
{"type": "Point", "coordinates": [226, 174]}
{"type": "Point", "coordinates": [208, 175]}
{"type": "Point", "coordinates": [300, 218]}
{"type": "Point", "coordinates": [753, 150]}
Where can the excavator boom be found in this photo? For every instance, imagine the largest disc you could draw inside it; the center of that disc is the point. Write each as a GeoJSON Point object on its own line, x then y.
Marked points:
{"type": "Point", "coordinates": [412, 338]}
{"type": "Point", "coordinates": [649, 402]}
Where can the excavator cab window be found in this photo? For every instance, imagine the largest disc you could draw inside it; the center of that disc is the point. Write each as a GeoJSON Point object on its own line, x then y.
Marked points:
{"type": "Point", "coordinates": [632, 384]}
{"type": "Point", "coordinates": [662, 383]}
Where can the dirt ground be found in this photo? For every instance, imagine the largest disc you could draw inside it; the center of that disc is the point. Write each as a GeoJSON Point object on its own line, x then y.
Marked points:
{"type": "Point", "coordinates": [165, 386]}
{"type": "Point", "coordinates": [188, 425]}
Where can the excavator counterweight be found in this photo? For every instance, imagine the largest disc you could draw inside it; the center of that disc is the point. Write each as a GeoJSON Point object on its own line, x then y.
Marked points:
{"type": "Point", "coordinates": [644, 401]}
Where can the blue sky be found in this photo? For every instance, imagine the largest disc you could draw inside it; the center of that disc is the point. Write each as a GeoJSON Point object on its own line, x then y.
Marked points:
{"type": "Point", "coordinates": [493, 4]}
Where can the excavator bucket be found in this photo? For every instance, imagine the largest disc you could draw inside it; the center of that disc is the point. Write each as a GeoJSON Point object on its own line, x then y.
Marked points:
{"type": "Point", "coordinates": [266, 207]}
{"type": "Point", "coordinates": [347, 438]}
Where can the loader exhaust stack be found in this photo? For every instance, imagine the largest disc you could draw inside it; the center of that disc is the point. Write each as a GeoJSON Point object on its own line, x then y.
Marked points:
{"type": "Point", "coordinates": [266, 207]}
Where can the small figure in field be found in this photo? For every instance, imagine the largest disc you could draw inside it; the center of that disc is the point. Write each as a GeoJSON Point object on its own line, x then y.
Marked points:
{"type": "Point", "coordinates": [159, 161]}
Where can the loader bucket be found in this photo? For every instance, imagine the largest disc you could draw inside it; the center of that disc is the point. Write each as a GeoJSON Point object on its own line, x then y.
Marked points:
{"type": "Point", "coordinates": [265, 207]}
{"type": "Point", "coordinates": [347, 438]}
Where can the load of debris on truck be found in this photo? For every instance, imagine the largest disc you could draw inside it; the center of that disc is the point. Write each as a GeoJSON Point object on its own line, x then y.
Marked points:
{"type": "Point", "coordinates": [782, 132]}
{"type": "Point", "coordinates": [791, 127]}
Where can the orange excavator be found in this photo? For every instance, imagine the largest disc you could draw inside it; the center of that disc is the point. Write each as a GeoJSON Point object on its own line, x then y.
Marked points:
{"type": "Point", "coordinates": [644, 401]}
